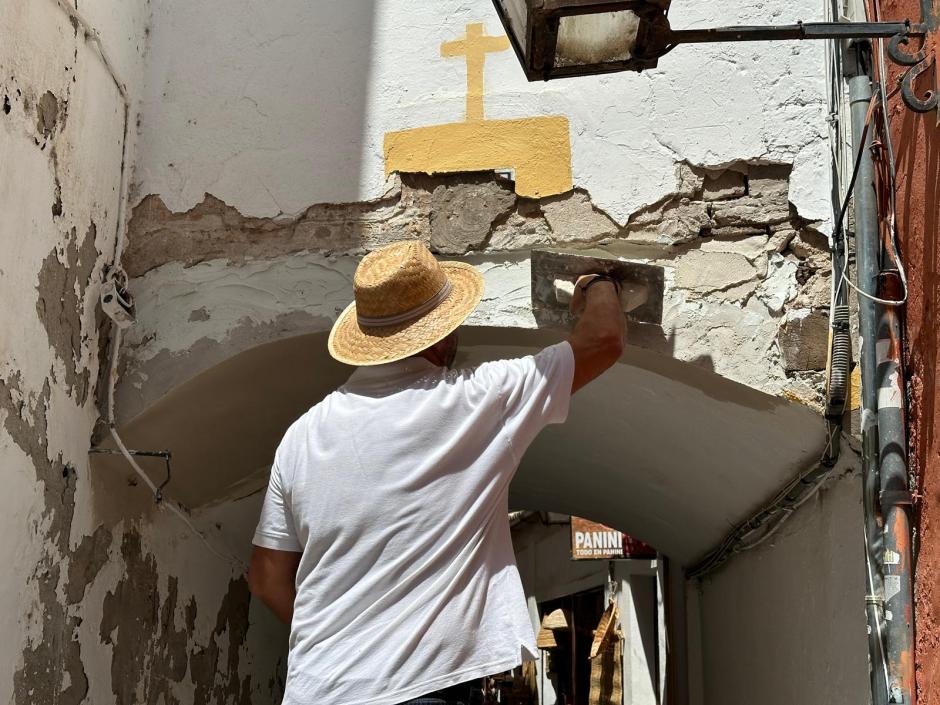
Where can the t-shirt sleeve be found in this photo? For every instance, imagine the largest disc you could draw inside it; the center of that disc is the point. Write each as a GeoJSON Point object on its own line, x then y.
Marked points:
{"type": "Point", "coordinates": [535, 391]}
{"type": "Point", "coordinates": [276, 525]}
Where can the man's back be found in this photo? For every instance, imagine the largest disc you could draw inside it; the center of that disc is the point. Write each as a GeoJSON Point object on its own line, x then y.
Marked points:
{"type": "Point", "coordinates": [394, 489]}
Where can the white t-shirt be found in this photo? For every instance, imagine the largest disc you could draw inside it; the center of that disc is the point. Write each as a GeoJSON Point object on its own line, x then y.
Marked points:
{"type": "Point", "coordinates": [395, 490]}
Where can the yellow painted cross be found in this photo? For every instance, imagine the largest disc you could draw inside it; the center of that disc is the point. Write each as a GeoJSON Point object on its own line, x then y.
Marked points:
{"type": "Point", "coordinates": [475, 46]}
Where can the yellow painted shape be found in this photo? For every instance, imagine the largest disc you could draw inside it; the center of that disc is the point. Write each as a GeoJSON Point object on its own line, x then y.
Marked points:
{"type": "Point", "coordinates": [537, 148]}
{"type": "Point", "coordinates": [475, 46]}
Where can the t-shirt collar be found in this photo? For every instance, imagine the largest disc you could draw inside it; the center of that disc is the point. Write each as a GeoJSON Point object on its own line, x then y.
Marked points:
{"type": "Point", "coordinates": [390, 371]}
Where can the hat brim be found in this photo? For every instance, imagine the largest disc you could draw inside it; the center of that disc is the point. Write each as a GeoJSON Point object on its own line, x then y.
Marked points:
{"type": "Point", "coordinates": [363, 346]}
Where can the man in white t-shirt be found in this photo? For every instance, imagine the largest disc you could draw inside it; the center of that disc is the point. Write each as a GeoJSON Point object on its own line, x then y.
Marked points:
{"type": "Point", "coordinates": [384, 538]}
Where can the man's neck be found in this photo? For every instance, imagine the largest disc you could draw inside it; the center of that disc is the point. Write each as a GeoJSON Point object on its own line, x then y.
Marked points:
{"type": "Point", "coordinates": [431, 356]}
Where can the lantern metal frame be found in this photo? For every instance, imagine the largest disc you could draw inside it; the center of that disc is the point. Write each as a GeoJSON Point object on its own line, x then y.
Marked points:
{"type": "Point", "coordinates": [656, 38]}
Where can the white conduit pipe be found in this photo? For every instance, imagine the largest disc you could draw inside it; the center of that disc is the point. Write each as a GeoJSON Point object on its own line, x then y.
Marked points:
{"type": "Point", "coordinates": [94, 38]}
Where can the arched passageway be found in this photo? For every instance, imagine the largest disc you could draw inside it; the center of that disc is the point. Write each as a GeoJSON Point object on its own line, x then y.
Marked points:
{"type": "Point", "coordinates": [665, 450]}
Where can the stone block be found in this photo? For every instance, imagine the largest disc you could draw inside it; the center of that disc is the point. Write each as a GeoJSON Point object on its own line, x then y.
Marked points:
{"type": "Point", "coordinates": [816, 293]}
{"type": "Point", "coordinates": [807, 243]}
{"type": "Point", "coordinates": [690, 182]}
{"type": "Point", "coordinates": [707, 272]}
{"type": "Point", "coordinates": [749, 212]}
{"type": "Point", "coordinates": [676, 223]}
{"type": "Point", "coordinates": [751, 247]}
{"type": "Point", "coordinates": [780, 239]}
{"type": "Point", "coordinates": [803, 339]}
{"type": "Point", "coordinates": [770, 182]}
{"type": "Point", "coordinates": [720, 186]}
{"type": "Point", "coordinates": [462, 215]}
{"type": "Point", "coordinates": [573, 218]}
{"type": "Point", "coordinates": [519, 232]}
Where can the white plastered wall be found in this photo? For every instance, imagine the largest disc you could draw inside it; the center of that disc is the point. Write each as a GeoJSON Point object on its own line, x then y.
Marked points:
{"type": "Point", "coordinates": [785, 622]}
{"type": "Point", "coordinates": [83, 622]}
{"type": "Point", "coordinates": [291, 102]}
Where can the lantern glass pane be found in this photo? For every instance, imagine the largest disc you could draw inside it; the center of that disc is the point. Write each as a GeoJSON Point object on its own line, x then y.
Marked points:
{"type": "Point", "coordinates": [516, 11]}
{"type": "Point", "coordinates": [596, 38]}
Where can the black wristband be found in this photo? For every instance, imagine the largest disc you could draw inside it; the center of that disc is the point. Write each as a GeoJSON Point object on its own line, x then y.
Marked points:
{"type": "Point", "coordinates": [602, 278]}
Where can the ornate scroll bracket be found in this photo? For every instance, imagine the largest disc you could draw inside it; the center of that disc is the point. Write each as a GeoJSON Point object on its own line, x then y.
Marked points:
{"type": "Point", "coordinates": [916, 96]}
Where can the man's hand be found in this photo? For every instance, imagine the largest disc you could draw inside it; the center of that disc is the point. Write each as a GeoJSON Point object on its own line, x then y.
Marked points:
{"type": "Point", "coordinates": [579, 297]}
{"type": "Point", "coordinates": [271, 578]}
{"type": "Point", "coordinates": [597, 339]}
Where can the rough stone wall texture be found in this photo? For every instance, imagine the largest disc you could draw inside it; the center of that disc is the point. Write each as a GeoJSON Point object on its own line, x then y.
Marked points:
{"type": "Point", "coordinates": [917, 146]}
{"type": "Point", "coordinates": [745, 271]}
{"type": "Point", "coordinates": [94, 603]}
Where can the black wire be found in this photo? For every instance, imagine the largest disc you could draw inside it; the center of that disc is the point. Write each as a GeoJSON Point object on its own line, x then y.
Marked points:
{"type": "Point", "coordinates": [838, 234]}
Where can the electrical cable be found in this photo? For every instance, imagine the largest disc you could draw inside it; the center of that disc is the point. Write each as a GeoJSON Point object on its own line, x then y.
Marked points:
{"type": "Point", "coordinates": [162, 500]}
{"type": "Point", "coordinates": [892, 164]}
{"type": "Point", "coordinates": [92, 36]}
{"type": "Point", "coordinates": [840, 221]}
{"type": "Point", "coordinates": [875, 599]}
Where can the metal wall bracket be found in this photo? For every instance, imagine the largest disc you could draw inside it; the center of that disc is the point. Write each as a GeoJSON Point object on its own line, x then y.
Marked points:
{"type": "Point", "coordinates": [919, 98]}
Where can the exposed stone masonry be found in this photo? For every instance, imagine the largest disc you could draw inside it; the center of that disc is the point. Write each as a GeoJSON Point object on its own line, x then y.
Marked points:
{"type": "Point", "coordinates": [729, 235]}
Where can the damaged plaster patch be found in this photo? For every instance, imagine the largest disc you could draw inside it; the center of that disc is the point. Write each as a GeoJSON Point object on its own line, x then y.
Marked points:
{"type": "Point", "coordinates": [452, 213]}
{"type": "Point", "coordinates": [747, 200]}
{"type": "Point", "coordinates": [723, 238]}
{"type": "Point", "coordinates": [213, 682]}
{"type": "Point", "coordinates": [151, 650]}
{"type": "Point", "coordinates": [47, 114]}
{"type": "Point", "coordinates": [198, 315]}
{"type": "Point", "coordinates": [86, 562]}
{"type": "Point", "coordinates": [214, 230]}
{"type": "Point", "coordinates": [131, 621]}
{"type": "Point", "coordinates": [462, 215]}
{"type": "Point", "coordinates": [63, 280]}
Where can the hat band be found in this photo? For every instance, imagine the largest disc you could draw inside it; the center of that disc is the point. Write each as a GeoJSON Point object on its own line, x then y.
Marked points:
{"type": "Point", "coordinates": [433, 302]}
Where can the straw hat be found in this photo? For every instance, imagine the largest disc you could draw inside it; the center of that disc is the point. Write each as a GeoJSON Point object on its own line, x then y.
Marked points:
{"type": "Point", "coordinates": [405, 302]}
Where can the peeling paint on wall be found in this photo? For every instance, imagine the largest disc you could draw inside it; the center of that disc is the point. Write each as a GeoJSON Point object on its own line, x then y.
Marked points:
{"type": "Point", "coordinates": [63, 280]}
{"type": "Point", "coordinates": [56, 655]}
{"type": "Point", "coordinates": [153, 647]}
{"type": "Point", "coordinates": [61, 125]}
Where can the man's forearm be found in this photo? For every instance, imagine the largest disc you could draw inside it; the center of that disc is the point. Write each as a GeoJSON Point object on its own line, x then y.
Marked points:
{"type": "Point", "coordinates": [281, 602]}
{"type": "Point", "coordinates": [597, 338]}
{"type": "Point", "coordinates": [602, 316]}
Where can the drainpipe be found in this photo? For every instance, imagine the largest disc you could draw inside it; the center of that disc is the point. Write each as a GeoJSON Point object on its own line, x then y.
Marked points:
{"type": "Point", "coordinates": [887, 497]}
{"type": "Point", "coordinates": [858, 63]}
{"type": "Point", "coordinates": [896, 501]}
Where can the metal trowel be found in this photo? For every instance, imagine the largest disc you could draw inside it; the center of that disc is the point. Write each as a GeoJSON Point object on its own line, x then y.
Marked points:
{"type": "Point", "coordinates": [554, 273]}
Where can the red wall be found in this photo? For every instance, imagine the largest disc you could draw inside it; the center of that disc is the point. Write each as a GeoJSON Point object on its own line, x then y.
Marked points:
{"type": "Point", "coordinates": [917, 145]}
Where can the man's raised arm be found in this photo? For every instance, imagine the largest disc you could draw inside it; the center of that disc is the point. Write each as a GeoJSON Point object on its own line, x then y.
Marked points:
{"type": "Point", "coordinates": [598, 337]}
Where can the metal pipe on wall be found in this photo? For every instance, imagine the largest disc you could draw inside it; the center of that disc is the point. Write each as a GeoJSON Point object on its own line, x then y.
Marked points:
{"type": "Point", "coordinates": [887, 497]}
{"type": "Point", "coordinates": [896, 502]}
{"type": "Point", "coordinates": [867, 265]}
